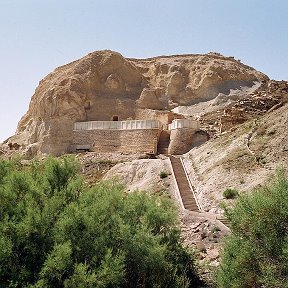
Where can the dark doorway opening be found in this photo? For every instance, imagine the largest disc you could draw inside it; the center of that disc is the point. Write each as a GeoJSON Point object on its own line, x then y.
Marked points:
{"type": "Point", "coordinates": [115, 118]}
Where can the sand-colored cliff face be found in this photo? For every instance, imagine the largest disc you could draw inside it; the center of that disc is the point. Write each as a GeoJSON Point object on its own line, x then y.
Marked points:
{"type": "Point", "coordinates": [104, 83]}
{"type": "Point", "coordinates": [190, 79]}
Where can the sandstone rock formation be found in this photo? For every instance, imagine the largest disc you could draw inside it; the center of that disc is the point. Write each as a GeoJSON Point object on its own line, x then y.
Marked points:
{"type": "Point", "coordinates": [104, 83]}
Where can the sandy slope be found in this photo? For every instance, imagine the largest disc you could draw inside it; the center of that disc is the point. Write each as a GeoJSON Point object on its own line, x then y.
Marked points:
{"type": "Point", "coordinates": [241, 159]}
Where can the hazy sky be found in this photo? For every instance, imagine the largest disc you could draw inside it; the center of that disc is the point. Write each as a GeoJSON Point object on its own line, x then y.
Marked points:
{"type": "Point", "coordinates": [38, 36]}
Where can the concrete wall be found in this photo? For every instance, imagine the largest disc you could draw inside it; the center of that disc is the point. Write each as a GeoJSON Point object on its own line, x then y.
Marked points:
{"type": "Point", "coordinates": [184, 123]}
{"type": "Point", "coordinates": [118, 125]}
{"type": "Point", "coordinates": [140, 140]}
{"type": "Point", "coordinates": [181, 141]}
{"type": "Point", "coordinates": [135, 136]}
{"type": "Point", "coordinates": [183, 137]}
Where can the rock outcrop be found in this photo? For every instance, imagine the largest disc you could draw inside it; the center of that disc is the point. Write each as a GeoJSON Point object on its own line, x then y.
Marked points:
{"type": "Point", "coordinates": [104, 83]}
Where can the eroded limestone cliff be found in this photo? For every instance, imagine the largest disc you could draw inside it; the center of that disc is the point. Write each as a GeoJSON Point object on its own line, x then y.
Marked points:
{"type": "Point", "coordinates": [104, 83]}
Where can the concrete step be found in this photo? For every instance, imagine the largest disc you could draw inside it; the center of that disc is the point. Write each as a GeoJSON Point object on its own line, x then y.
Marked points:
{"type": "Point", "coordinates": [186, 194]}
{"type": "Point", "coordinates": [163, 143]}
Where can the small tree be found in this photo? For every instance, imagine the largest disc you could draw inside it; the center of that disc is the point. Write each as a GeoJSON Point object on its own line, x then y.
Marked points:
{"type": "Point", "coordinates": [256, 253]}
{"type": "Point", "coordinates": [163, 174]}
{"type": "Point", "coordinates": [57, 232]}
{"type": "Point", "coordinates": [230, 193]}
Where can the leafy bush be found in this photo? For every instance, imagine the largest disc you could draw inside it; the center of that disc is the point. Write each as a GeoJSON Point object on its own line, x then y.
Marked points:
{"type": "Point", "coordinates": [163, 174]}
{"type": "Point", "coordinates": [230, 193]}
{"type": "Point", "coordinates": [56, 232]}
{"type": "Point", "coordinates": [256, 254]}
{"type": "Point", "coordinates": [215, 229]}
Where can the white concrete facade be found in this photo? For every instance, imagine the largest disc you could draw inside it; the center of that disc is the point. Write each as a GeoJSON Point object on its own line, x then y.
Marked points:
{"type": "Point", "coordinates": [118, 125]}
{"type": "Point", "coordinates": [184, 123]}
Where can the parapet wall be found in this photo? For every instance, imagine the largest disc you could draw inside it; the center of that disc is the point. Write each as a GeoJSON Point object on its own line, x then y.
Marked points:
{"type": "Point", "coordinates": [183, 137]}
{"type": "Point", "coordinates": [184, 123]}
{"type": "Point", "coordinates": [105, 140]}
{"type": "Point", "coordinates": [118, 125]}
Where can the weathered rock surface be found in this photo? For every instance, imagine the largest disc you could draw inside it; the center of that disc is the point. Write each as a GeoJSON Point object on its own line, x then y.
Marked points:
{"type": "Point", "coordinates": [104, 83]}
{"type": "Point", "coordinates": [241, 158]}
{"type": "Point", "coordinates": [142, 174]}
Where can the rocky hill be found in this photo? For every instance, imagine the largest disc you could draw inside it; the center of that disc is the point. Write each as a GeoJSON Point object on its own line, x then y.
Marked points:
{"type": "Point", "coordinates": [104, 83]}
{"type": "Point", "coordinates": [244, 156]}
{"type": "Point", "coordinates": [244, 113]}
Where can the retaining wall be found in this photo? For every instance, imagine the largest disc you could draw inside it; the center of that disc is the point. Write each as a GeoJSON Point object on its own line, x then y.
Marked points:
{"type": "Point", "coordinates": [181, 141]}
{"type": "Point", "coordinates": [105, 140]}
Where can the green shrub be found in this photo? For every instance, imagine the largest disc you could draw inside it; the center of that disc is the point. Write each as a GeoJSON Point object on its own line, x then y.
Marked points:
{"type": "Point", "coordinates": [163, 174]}
{"type": "Point", "coordinates": [57, 232]}
{"type": "Point", "coordinates": [256, 253]}
{"type": "Point", "coordinates": [215, 229]}
{"type": "Point", "coordinates": [260, 159]}
{"type": "Point", "coordinates": [230, 193]}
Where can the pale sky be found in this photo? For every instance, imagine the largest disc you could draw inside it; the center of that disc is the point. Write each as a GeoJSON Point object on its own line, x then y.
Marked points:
{"type": "Point", "coordinates": [38, 36]}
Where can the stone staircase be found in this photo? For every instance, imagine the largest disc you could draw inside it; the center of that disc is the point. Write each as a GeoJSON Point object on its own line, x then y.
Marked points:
{"type": "Point", "coordinates": [163, 143]}
{"type": "Point", "coordinates": [186, 193]}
